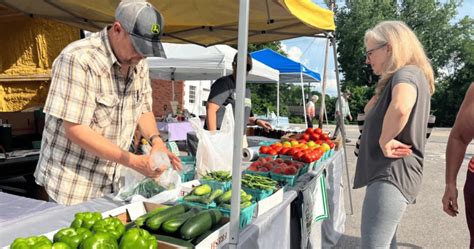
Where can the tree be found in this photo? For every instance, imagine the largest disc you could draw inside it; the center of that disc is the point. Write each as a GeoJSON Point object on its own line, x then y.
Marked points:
{"type": "Point", "coordinates": [448, 44]}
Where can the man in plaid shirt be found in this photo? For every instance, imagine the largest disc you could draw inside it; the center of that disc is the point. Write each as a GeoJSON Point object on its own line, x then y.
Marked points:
{"type": "Point", "coordinates": [100, 91]}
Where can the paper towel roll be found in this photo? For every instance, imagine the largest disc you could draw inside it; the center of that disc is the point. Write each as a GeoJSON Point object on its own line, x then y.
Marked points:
{"type": "Point", "coordinates": [250, 154]}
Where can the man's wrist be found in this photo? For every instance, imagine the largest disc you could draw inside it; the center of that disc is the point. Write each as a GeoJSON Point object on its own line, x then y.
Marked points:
{"type": "Point", "coordinates": [154, 137]}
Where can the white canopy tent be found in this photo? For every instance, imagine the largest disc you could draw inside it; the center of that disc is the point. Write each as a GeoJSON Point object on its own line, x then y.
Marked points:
{"type": "Point", "coordinates": [193, 62]}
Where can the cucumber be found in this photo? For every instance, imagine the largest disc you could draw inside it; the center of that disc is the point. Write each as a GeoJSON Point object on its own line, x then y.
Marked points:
{"type": "Point", "coordinates": [140, 221]}
{"type": "Point", "coordinates": [242, 205]}
{"type": "Point", "coordinates": [195, 198]}
{"type": "Point", "coordinates": [202, 190]}
{"type": "Point", "coordinates": [179, 243]}
{"type": "Point", "coordinates": [155, 221]}
{"type": "Point", "coordinates": [200, 223]}
{"type": "Point", "coordinates": [215, 194]}
{"type": "Point", "coordinates": [245, 204]}
{"type": "Point", "coordinates": [225, 198]}
{"type": "Point", "coordinates": [245, 198]}
{"type": "Point", "coordinates": [172, 225]}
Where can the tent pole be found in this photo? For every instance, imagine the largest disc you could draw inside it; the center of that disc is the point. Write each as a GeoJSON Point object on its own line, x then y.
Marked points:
{"type": "Point", "coordinates": [323, 87]}
{"type": "Point", "coordinates": [341, 121]}
{"type": "Point", "coordinates": [278, 102]}
{"type": "Point", "coordinates": [304, 100]}
{"type": "Point", "coordinates": [239, 121]}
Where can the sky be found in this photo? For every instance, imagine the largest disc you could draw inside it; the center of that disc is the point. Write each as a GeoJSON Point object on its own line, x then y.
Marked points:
{"type": "Point", "coordinates": [310, 51]}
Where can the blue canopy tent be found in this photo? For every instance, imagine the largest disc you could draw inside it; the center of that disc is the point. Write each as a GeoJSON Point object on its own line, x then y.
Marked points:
{"type": "Point", "coordinates": [290, 72]}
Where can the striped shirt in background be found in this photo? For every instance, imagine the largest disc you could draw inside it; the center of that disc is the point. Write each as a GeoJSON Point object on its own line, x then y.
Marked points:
{"type": "Point", "coordinates": [87, 88]}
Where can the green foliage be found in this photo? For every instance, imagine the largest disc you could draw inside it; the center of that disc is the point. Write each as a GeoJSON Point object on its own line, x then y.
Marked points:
{"type": "Point", "coordinates": [449, 46]}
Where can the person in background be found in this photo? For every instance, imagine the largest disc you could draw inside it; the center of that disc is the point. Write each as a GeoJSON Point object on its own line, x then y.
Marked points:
{"type": "Point", "coordinates": [392, 145]}
{"type": "Point", "coordinates": [223, 93]}
{"type": "Point", "coordinates": [460, 137]}
{"type": "Point", "coordinates": [346, 112]}
{"type": "Point", "coordinates": [100, 91]}
{"type": "Point", "coordinates": [310, 110]}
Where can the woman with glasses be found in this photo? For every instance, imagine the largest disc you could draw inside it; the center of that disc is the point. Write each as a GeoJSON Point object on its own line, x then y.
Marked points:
{"type": "Point", "coordinates": [392, 146]}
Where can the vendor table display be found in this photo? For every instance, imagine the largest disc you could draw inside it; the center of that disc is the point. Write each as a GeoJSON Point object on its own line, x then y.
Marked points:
{"type": "Point", "coordinates": [257, 231]}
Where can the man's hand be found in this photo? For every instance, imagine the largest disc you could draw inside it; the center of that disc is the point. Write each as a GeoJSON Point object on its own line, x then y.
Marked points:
{"type": "Point", "coordinates": [143, 164]}
{"type": "Point", "coordinates": [264, 124]}
{"type": "Point", "coordinates": [350, 117]}
{"type": "Point", "coordinates": [395, 149]}
{"type": "Point", "coordinates": [175, 161]}
{"type": "Point", "coordinates": [450, 200]}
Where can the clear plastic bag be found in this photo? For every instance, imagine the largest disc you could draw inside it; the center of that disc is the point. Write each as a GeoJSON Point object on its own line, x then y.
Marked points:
{"type": "Point", "coordinates": [164, 189]}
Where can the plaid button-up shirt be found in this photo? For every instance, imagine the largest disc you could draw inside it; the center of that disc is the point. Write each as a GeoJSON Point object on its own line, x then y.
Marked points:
{"type": "Point", "coordinates": [87, 88]}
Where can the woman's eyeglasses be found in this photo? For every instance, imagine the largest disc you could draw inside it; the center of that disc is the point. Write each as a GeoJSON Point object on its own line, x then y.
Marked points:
{"type": "Point", "coordinates": [368, 53]}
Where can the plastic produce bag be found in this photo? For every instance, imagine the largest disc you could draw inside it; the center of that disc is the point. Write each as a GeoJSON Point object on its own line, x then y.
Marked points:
{"type": "Point", "coordinates": [215, 149]}
{"type": "Point", "coordinates": [137, 187]}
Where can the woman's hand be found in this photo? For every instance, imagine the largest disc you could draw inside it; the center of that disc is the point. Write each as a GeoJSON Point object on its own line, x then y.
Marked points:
{"type": "Point", "coordinates": [395, 149]}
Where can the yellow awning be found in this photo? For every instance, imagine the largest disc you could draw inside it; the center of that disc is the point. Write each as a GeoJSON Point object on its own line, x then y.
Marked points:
{"type": "Point", "coordinates": [204, 22]}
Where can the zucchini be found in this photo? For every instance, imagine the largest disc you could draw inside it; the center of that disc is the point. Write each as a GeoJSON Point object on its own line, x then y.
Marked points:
{"type": "Point", "coordinates": [200, 223]}
{"type": "Point", "coordinates": [195, 198]}
{"type": "Point", "coordinates": [202, 190]}
{"type": "Point", "coordinates": [141, 220]}
{"type": "Point", "coordinates": [215, 194]}
{"type": "Point", "coordinates": [225, 198]}
{"type": "Point", "coordinates": [179, 243]}
{"type": "Point", "coordinates": [155, 221]}
{"type": "Point", "coordinates": [172, 225]}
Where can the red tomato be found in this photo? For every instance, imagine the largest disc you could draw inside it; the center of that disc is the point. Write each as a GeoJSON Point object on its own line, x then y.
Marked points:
{"type": "Point", "coordinates": [264, 149]}
{"type": "Point", "coordinates": [272, 152]}
{"type": "Point", "coordinates": [315, 136]}
{"type": "Point", "coordinates": [325, 137]}
{"type": "Point", "coordinates": [305, 137]}
{"type": "Point", "coordinates": [284, 151]}
{"type": "Point", "coordinates": [309, 131]}
{"type": "Point", "coordinates": [318, 131]}
{"type": "Point", "coordinates": [331, 144]}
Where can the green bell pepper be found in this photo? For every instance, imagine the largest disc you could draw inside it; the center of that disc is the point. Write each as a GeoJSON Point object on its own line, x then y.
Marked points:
{"type": "Point", "coordinates": [100, 240]}
{"type": "Point", "coordinates": [110, 225]}
{"type": "Point", "coordinates": [61, 245]}
{"type": "Point", "coordinates": [137, 238]}
{"type": "Point", "coordinates": [37, 242]}
{"type": "Point", "coordinates": [86, 219]}
{"type": "Point", "coordinates": [32, 242]}
{"type": "Point", "coordinates": [72, 236]}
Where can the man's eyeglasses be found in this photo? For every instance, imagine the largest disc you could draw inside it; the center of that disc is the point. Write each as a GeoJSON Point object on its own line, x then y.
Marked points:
{"type": "Point", "coordinates": [368, 53]}
{"type": "Point", "coordinates": [249, 66]}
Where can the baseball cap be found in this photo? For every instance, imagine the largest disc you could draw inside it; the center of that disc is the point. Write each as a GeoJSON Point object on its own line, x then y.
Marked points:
{"type": "Point", "coordinates": [144, 24]}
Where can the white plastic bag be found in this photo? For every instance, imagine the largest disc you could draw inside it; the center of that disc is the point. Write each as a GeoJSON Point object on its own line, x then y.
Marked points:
{"type": "Point", "coordinates": [170, 180]}
{"type": "Point", "coordinates": [215, 149]}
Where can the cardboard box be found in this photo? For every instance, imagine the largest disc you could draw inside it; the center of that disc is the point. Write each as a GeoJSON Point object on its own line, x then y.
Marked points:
{"type": "Point", "coordinates": [130, 212]}
{"type": "Point", "coordinates": [270, 202]}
